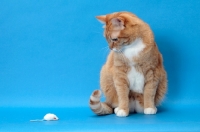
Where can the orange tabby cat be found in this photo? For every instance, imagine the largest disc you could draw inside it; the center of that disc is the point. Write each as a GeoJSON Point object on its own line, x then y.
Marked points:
{"type": "Point", "coordinates": [133, 78]}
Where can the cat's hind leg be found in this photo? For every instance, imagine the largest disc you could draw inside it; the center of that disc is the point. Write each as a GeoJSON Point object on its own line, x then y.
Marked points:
{"type": "Point", "coordinates": [161, 90]}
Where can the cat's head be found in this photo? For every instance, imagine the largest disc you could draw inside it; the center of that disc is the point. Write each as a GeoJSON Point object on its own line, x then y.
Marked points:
{"type": "Point", "coordinates": [121, 29]}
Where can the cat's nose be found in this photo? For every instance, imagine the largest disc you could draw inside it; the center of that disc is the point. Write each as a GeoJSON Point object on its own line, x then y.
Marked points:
{"type": "Point", "coordinates": [114, 39]}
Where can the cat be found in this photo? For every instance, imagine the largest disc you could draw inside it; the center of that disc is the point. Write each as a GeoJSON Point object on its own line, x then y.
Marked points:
{"type": "Point", "coordinates": [133, 78]}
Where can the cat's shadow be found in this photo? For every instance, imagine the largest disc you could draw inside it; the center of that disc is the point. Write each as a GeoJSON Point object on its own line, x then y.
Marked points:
{"type": "Point", "coordinates": [160, 110]}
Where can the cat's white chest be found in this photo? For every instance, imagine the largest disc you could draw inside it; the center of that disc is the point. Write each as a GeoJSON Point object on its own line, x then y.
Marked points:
{"type": "Point", "coordinates": [136, 79]}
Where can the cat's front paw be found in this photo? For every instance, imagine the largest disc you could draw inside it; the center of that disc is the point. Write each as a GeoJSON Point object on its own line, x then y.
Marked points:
{"type": "Point", "coordinates": [150, 111]}
{"type": "Point", "coordinates": [120, 112]}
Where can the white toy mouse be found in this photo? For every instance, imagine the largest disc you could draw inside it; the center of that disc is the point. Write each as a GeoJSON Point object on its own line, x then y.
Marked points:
{"type": "Point", "coordinates": [48, 117]}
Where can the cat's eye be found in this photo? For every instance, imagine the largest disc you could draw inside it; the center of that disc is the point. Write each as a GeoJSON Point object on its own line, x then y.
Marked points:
{"type": "Point", "coordinates": [115, 39]}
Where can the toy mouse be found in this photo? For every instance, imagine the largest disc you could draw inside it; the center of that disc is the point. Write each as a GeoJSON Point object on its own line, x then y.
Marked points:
{"type": "Point", "coordinates": [47, 117]}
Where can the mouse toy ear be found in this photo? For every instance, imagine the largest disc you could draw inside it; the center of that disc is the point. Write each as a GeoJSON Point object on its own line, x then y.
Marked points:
{"type": "Point", "coordinates": [118, 22]}
{"type": "Point", "coordinates": [101, 19]}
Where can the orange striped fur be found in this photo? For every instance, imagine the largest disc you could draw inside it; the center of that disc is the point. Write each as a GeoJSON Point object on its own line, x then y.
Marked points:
{"type": "Point", "coordinates": [133, 78]}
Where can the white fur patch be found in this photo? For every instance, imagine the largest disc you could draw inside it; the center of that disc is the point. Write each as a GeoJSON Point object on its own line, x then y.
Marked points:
{"type": "Point", "coordinates": [133, 49]}
{"type": "Point", "coordinates": [150, 111]}
{"type": "Point", "coordinates": [115, 50]}
{"type": "Point", "coordinates": [138, 107]}
{"type": "Point", "coordinates": [136, 79]}
{"type": "Point", "coordinates": [120, 112]}
{"type": "Point", "coordinates": [116, 109]}
{"type": "Point", "coordinates": [134, 106]}
{"type": "Point", "coordinates": [94, 98]}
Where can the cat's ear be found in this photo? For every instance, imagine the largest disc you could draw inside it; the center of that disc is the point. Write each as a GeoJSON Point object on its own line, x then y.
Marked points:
{"type": "Point", "coordinates": [101, 19]}
{"type": "Point", "coordinates": [118, 22]}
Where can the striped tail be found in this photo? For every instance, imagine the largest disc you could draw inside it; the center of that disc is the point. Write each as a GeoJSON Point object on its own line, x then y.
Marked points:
{"type": "Point", "coordinates": [98, 107]}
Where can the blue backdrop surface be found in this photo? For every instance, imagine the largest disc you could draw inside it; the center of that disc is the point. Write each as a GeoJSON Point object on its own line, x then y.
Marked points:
{"type": "Point", "coordinates": [51, 53]}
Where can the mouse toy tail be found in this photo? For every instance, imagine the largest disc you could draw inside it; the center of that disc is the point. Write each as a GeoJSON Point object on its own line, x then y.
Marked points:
{"type": "Point", "coordinates": [37, 120]}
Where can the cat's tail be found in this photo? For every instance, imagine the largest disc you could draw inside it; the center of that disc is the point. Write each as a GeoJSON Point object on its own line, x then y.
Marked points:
{"type": "Point", "coordinates": [98, 107]}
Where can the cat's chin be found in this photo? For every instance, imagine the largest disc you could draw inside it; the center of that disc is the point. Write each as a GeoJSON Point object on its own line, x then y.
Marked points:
{"type": "Point", "coordinates": [116, 50]}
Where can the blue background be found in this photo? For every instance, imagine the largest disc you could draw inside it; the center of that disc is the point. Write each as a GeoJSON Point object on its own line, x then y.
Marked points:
{"type": "Point", "coordinates": [51, 53]}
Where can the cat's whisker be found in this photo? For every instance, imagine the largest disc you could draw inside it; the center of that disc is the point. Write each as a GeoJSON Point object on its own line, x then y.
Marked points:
{"type": "Point", "coordinates": [105, 48]}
